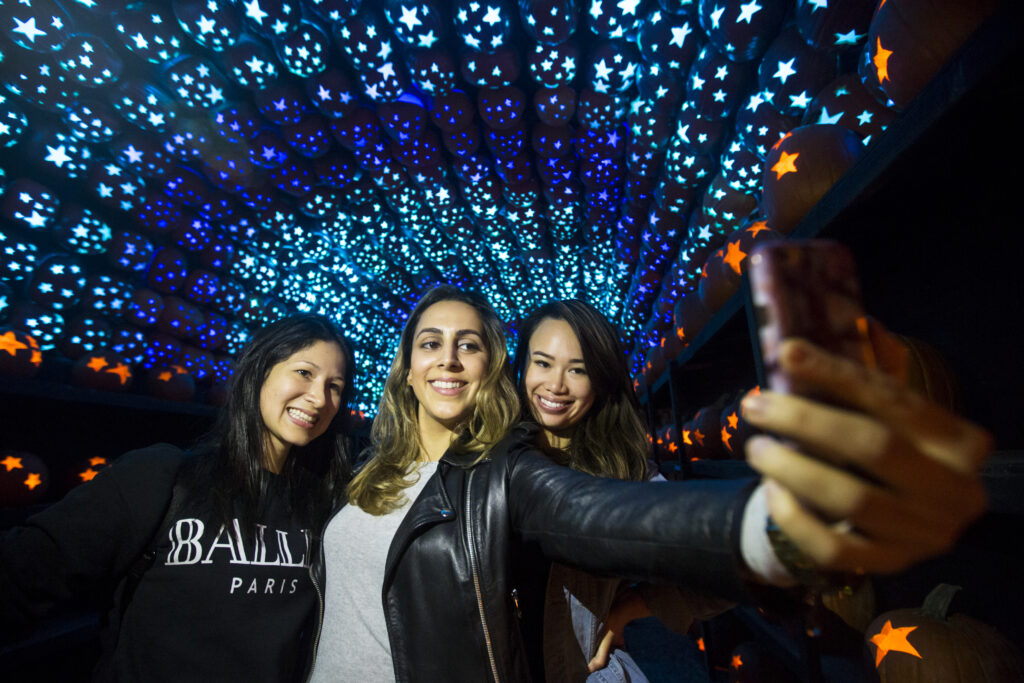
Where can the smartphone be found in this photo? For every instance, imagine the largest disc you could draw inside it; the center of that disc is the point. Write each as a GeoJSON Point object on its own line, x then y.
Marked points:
{"type": "Point", "coordinates": [808, 289]}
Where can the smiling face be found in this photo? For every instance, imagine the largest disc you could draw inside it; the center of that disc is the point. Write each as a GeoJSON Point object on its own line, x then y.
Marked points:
{"type": "Point", "coordinates": [299, 398]}
{"type": "Point", "coordinates": [447, 366]}
{"type": "Point", "coordinates": [556, 383]}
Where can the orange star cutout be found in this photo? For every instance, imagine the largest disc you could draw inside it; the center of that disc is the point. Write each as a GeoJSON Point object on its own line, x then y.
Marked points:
{"type": "Point", "coordinates": [97, 363]}
{"type": "Point", "coordinates": [33, 481]}
{"type": "Point", "coordinates": [37, 358]}
{"type": "Point", "coordinates": [881, 61]}
{"type": "Point", "coordinates": [891, 639]}
{"type": "Point", "coordinates": [122, 371]}
{"type": "Point", "coordinates": [733, 420]}
{"type": "Point", "coordinates": [755, 228]}
{"type": "Point", "coordinates": [680, 333]}
{"type": "Point", "coordinates": [697, 435]}
{"type": "Point", "coordinates": [700, 644]}
{"type": "Point", "coordinates": [785, 164]}
{"type": "Point", "coordinates": [725, 437]}
{"type": "Point", "coordinates": [781, 140]}
{"type": "Point", "coordinates": [672, 447]}
{"type": "Point", "coordinates": [11, 463]}
{"type": "Point", "coordinates": [737, 662]}
{"type": "Point", "coordinates": [686, 437]}
{"type": "Point", "coordinates": [93, 462]}
{"type": "Point", "coordinates": [88, 474]}
{"type": "Point", "coordinates": [10, 343]}
{"type": "Point", "coordinates": [734, 257]}
{"type": "Point", "coordinates": [165, 376]}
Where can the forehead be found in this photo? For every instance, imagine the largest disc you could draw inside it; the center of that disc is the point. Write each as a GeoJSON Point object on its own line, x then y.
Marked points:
{"type": "Point", "coordinates": [555, 336]}
{"type": "Point", "coordinates": [450, 316]}
{"type": "Point", "coordinates": [324, 354]}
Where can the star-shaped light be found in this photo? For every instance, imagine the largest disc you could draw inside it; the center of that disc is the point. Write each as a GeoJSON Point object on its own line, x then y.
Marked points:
{"type": "Point", "coordinates": [747, 11]}
{"type": "Point", "coordinates": [785, 164]}
{"type": "Point", "coordinates": [881, 62]}
{"type": "Point", "coordinates": [27, 29]}
{"type": "Point", "coordinates": [785, 70]}
{"type": "Point", "coordinates": [891, 639]}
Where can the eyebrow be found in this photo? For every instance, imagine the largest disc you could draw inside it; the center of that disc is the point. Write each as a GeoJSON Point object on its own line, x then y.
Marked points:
{"type": "Point", "coordinates": [548, 355]}
{"type": "Point", "coordinates": [458, 333]}
{"type": "Point", "coordinates": [309, 362]}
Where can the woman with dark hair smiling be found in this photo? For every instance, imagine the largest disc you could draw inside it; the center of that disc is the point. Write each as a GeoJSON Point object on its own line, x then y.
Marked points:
{"type": "Point", "coordinates": [421, 579]}
{"type": "Point", "coordinates": [574, 384]}
{"type": "Point", "coordinates": [210, 553]}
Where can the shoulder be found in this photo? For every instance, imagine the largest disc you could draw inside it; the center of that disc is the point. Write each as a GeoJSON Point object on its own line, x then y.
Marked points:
{"type": "Point", "coordinates": [520, 439]}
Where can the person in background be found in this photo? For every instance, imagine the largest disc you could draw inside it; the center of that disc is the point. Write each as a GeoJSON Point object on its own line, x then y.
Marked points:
{"type": "Point", "coordinates": [420, 578]}
{"type": "Point", "coordinates": [574, 384]}
{"type": "Point", "coordinates": [229, 531]}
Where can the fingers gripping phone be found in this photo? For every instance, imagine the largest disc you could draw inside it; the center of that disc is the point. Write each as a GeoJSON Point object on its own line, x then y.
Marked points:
{"type": "Point", "coordinates": [807, 289]}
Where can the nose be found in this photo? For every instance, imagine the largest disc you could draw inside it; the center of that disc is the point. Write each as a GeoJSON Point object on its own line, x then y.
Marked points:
{"type": "Point", "coordinates": [555, 383]}
{"type": "Point", "coordinates": [450, 357]}
{"type": "Point", "coordinates": [317, 396]}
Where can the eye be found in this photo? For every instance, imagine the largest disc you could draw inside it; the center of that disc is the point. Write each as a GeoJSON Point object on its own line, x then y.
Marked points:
{"type": "Point", "coordinates": [469, 346]}
{"type": "Point", "coordinates": [336, 388]}
{"type": "Point", "coordinates": [541, 363]}
{"type": "Point", "coordinates": [579, 371]}
{"type": "Point", "coordinates": [429, 344]}
{"type": "Point", "coordinates": [304, 372]}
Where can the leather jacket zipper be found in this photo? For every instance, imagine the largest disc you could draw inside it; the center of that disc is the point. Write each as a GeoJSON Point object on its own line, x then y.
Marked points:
{"type": "Point", "coordinates": [474, 568]}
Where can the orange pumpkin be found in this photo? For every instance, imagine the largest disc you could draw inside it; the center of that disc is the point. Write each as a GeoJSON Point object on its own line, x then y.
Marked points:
{"type": "Point", "coordinates": [929, 645]}
{"type": "Point", "coordinates": [20, 355]}
{"type": "Point", "coordinates": [103, 370]}
{"type": "Point", "coordinates": [24, 478]}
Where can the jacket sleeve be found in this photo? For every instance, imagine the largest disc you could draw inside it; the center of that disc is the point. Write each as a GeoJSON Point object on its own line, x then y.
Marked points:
{"type": "Point", "coordinates": [84, 543]}
{"type": "Point", "coordinates": [682, 532]}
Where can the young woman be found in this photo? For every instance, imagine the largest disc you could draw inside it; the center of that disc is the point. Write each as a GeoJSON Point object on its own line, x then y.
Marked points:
{"type": "Point", "coordinates": [446, 503]}
{"type": "Point", "coordinates": [574, 384]}
{"type": "Point", "coordinates": [228, 593]}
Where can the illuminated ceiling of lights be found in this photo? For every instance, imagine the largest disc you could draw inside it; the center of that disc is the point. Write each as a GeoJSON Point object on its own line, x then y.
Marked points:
{"type": "Point", "coordinates": [177, 174]}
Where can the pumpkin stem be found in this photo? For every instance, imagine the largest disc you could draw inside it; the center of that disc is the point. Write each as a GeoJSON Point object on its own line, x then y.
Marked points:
{"type": "Point", "coordinates": [936, 605]}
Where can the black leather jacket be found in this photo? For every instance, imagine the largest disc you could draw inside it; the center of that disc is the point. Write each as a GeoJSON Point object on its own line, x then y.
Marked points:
{"type": "Point", "coordinates": [449, 591]}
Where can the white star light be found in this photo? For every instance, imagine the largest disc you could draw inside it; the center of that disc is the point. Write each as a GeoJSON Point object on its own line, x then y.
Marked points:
{"type": "Point", "coordinates": [409, 17]}
{"type": "Point", "coordinates": [747, 11]}
{"type": "Point", "coordinates": [27, 29]}
{"type": "Point", "coordinates": [785, 70]}
{"type": "Point", "coordinates": [206, 25]}
{"type": "Point", "coordinates": [57, 155]}
{"type": "Point", "coordinates": [851, 37]}
{"type": "Point", "coordinates": [493, 15]}
{"type": "Point", "coordinates": [825, 118]}
{"type": "Point", "coordinates": [864, 118]}
{"type": "Point", "coordinates": [716, 16]}
{"type": "Point", "coordinates": [818, 4]}
{"type": "Point", "coordinates": [679, 34]}
{"type": "Point", "coordinates": [254, 12]}
{"type": "Point", "coordinates": [628, 6]}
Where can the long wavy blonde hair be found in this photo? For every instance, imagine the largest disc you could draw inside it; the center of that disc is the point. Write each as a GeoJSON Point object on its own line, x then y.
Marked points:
{"type": "Point", "coordinates": [394, 437]}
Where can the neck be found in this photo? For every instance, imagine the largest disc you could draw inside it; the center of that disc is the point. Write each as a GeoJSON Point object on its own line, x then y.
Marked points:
{"type": "Point", "coordinates": [550, 439]}
{"type": "Point", "coordinates": [435, 438]}
{"type": "Point", "coordinates": [274, 458]}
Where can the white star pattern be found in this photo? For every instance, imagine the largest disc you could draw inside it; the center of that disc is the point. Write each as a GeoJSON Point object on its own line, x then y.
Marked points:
{"type": "Point", "coordinates": [747, 11]}
{"type": "Point", "coordinates": [785, 70]}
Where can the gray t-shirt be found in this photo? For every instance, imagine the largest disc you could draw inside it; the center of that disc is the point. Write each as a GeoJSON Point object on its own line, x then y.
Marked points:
{"type": "Point", "coordinates": [354, 640]}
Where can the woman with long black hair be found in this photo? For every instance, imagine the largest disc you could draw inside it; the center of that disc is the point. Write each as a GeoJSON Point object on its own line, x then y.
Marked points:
{"type": "Point", "coordinates": [205, 555]}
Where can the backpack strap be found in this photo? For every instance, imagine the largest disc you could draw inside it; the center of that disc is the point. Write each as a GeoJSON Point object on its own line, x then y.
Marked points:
{"type": "Point", "coordinates": [143, 562]}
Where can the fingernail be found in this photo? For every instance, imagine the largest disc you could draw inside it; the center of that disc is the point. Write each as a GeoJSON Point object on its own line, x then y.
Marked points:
{"type": "Point", "coordinates": [795, 353]}
{"type": "Point", "coordinates": [753, 405]}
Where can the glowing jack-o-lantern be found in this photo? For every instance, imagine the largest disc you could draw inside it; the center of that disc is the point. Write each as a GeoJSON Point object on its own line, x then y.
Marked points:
{"type": "Point", "coordinates": [20, 355]}
{"type": "Point", "coordinates": [910, 40]}
{"type": "Point", "coordinates": [928, 644]}
{"type": "Point", "coordinates": [84, 470]}
{"type": "Point", "coordinates": [24, 478]}
{"type": "Point", "coordinates": [102, 370]}
{"type": "Point", "coordinates": [173, 382]}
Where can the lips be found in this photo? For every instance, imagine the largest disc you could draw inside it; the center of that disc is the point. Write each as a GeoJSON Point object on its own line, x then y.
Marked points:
{"type": "Point", "coordinates": [552, 406]}
{"type": "Point", "coordinates": [447, 387]}
{"type": "Point", "coordinates": [302, 418]}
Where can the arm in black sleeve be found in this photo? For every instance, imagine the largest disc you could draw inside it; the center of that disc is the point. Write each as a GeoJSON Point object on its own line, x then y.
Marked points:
{"type": "Point", "coordinates": [87, 540]}
{"type": "Point", "coordinates": [682, 532]}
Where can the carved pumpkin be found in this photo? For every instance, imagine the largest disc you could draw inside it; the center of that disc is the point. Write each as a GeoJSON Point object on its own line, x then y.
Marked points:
{"type": "Point", "coordinates": [801, 168]}
{"type": "Point", "coordinates": [735, 429]}
{"type": "Point", "coordinates": [690, 317]}
{"type": "Point", "coordinates": [24, 478]}
{"type": "Point", "coordinates": [172, 382]}
{"type": "Point", "coordinates": [102, 370]}
{"type": "Point", "coordinates": [910, 40]}
{"type": "Point", "coordinates": [84, 470]}
{"type": "Point", "coordinates": [927, 644]}
{"type": "Point", "coordinates": [20, 355]}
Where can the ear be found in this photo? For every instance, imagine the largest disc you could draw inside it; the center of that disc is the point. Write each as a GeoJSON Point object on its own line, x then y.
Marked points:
{"type": "Point", "coordinates": [408, 377]}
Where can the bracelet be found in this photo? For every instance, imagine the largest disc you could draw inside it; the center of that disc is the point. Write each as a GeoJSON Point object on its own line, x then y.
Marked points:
{"type": "Point", "coordinates": [803, 568]}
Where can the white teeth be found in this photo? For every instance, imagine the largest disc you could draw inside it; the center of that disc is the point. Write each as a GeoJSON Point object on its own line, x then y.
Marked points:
{"type": "Point", "coordinates": [551, 404]}
{"type": "Point", "coordinates": [447, 385]}
{"type": "Point", "coordinates": [300, 415]}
